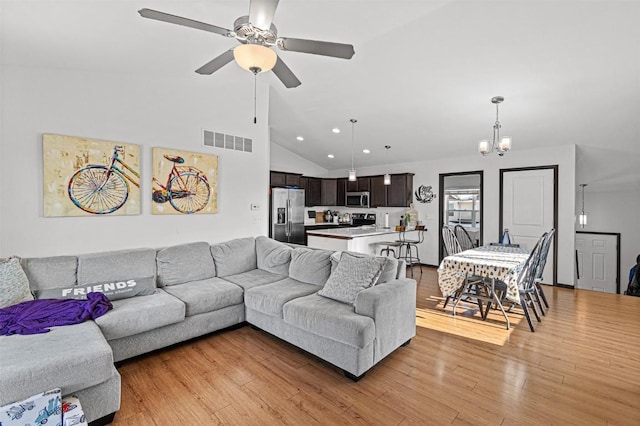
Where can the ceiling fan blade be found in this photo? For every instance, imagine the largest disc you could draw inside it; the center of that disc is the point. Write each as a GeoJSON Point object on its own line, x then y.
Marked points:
{"type": "Point", "coordinates": [285, 75]}
{"type": "Point", "coordinates": [325, 48]}
{"type": "Point", "coordinates": [261, 13]}
{"type": "Point", "coordinates": [172, 19]}
{"type": "Point", "coordinates": [216, 63]}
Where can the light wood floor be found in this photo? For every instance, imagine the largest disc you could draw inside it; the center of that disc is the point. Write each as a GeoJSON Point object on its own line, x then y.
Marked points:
{"type": "Point", "coordinates": [581, 366]}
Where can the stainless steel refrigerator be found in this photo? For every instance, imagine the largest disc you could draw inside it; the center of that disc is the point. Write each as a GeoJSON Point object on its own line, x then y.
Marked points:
{"type": "Point", "coordinates": [287, 215]}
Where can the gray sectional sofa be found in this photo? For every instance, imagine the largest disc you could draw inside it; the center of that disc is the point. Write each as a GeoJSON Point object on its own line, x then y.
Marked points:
{"type": "Point", "coordinates": [203, 288]}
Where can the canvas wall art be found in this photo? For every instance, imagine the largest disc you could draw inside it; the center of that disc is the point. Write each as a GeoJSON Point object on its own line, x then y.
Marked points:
{"type": "Point", "coordinates": [90, 177]}
{"type": "Point", "coordinates": [184, 182]}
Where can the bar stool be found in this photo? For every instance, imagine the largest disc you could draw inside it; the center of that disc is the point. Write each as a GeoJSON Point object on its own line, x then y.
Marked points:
{"type": "Point", "coordinates": [392, 245]}
{"type": "Point", "coordinates": [410, 245]}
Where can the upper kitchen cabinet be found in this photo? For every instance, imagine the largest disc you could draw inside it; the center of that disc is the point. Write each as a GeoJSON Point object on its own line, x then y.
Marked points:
{"type": "Point", "coordinates": [359, 185]}
{"type": "Point", "coordinates": [329, 192]}
{"type": "Point", "coordinates": [341, 191]}
{"type": "Point", "coordinates": [313, 193]}
{"type": "Point", "coordinates": [284, 179]}
{"type": "Point", "coordinates": [400, 192]}
{"type": "Point", "coordinates": [378, 191]}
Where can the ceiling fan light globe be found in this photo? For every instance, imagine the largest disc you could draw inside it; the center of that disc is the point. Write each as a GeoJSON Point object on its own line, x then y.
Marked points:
{"type": "Point", "coordinates": [255, 58]}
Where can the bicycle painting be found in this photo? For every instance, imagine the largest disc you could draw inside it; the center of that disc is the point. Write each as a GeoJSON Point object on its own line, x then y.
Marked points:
{"type": "Point", "coordinates": [90, 177]}
{"type": "Point", "coordinates": [184, 182]}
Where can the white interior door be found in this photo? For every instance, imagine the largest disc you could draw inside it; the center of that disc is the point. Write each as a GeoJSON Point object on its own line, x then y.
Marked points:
{"type": "Point", "coordinates": [597, 256]}
{"type": "Point", "coordinates": [527, 209]}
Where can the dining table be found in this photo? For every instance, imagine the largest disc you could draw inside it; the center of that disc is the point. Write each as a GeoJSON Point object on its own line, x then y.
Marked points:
{"type": "Point", "coordinates": [492, 262]}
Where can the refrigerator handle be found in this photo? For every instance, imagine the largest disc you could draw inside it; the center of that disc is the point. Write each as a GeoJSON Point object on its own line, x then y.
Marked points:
{"type": "Point", "coordinates": [288, 227]}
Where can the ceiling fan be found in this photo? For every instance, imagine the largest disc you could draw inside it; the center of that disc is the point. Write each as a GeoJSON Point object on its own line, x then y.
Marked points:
{"type": "Point", "coordinates": [257, 36]}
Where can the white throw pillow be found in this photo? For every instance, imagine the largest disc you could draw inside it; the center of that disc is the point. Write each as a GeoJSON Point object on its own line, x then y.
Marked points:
{"type": "Point", "coordinates": [14, 285]}
{"type": "Point", "coordinates": [352, 275]}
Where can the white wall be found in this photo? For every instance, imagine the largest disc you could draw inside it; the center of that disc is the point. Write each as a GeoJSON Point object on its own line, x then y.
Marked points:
{"type": "Point", "coordinates": [427, 173]}
{"type": "Point", "coordinates": [615, 211]}
{"type": "Point", "coordinates": [164, 112]}
{"type": "Point", "coordinates": [284, 160]}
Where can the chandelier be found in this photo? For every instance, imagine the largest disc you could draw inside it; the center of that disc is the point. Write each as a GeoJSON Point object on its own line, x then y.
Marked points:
{"type": "Point", "coordinates": [500, 145]}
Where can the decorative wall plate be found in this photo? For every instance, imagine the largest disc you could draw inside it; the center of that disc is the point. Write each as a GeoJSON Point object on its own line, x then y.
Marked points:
{"type": "Point", "coordinates": [424, 194]}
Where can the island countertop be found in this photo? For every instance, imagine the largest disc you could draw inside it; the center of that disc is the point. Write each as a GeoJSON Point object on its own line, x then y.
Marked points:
{"type": "Point", "coordinates": [351, 233]}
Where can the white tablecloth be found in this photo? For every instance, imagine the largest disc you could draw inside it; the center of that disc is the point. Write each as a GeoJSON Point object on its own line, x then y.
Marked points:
{"type": "Point", "coordinates": [499, 262]}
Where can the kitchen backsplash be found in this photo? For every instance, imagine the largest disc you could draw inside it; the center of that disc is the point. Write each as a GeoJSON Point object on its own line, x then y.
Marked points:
{"type": "Point", "coordinates": [394, 212]}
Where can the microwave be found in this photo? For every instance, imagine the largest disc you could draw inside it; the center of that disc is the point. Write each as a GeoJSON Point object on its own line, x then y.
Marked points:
{"type": "Point", "coordinates": [357, 199]}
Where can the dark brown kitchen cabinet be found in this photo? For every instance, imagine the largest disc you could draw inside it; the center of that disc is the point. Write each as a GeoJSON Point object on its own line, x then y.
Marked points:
{"type": "Point", "coordinates": [400, 192]}
{"type": "Point", "coordinates": [313, 194]}
{"type": "Point", "coordinates": [352, 186]}
{"type": "Point", "coordinates": [378, 191]}
{"type": "Point", "coordinates": [277, 179]}
{"type": "Point", "coordinates": [329, 192]}
{"type": "Point", "coordinates": [341, 191]}
{"type": "Point", "coordinates": [364, 184]}
{"type": "Point", "coordinates": [284, 179]}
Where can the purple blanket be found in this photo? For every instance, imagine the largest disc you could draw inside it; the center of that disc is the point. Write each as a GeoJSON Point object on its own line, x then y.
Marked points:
{"type": "Point", "coordinates": [35, 316]}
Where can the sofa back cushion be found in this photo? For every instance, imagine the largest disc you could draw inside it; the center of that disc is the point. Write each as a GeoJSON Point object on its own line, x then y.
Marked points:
{"type": "Point", "coordinates": [273, 256]}
{"type": "Point", "coordinates": [185, 262]}
{"type": "Point", "coordinates": [116, 266]}
{"type": "Point", "coordinates": [310, 266]}
{"type": "Point", "coordinates": [50, 272]}
{"type": "Point", "coordinates": [235, 256]}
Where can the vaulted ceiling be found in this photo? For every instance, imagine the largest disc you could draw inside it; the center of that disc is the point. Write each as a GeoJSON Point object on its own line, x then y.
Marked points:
{"type": "Point", "coordinates": [421, 79]}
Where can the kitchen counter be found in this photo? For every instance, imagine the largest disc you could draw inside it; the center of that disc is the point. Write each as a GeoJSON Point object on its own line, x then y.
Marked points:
{"type": "Point", "coordinates": [363, 239]}
{"type": "Point", "coordinates": [350, 233]}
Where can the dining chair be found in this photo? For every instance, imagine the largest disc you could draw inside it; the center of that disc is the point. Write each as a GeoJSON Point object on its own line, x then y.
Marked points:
{"type": "Point", "coordinates": [527, 292]}
{"type": "Point", "coordinates": [543, 262]}
{"type": "Point", "coordinates": [463, 237]}
{"type": "Point", "coordinates": [452, 246]}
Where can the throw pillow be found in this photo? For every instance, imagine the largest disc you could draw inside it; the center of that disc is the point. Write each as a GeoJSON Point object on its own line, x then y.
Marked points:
{"type": "Point", "coordinates": [14, 285]}
{"type": "Point", "coordinates": [352, 275]}
{"type": "Point", "coordinates": [114, 290]}
{"type": "Point", "coordinates": [389, 271]}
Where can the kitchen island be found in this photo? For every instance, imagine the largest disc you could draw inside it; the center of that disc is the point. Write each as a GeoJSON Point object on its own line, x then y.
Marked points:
{"type": "Point", "coordinates": [363, 239]}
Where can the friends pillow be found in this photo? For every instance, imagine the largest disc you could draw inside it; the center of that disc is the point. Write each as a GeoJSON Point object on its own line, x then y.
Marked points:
{"type": "Point", "coordinates": [114, 290]}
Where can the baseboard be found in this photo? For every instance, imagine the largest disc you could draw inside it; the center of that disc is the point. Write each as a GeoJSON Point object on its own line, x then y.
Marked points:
{"type": "Point", "coordinates": [564, 286]}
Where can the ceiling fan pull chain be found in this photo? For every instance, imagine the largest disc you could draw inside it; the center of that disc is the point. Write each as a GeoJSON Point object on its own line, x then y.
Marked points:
{"type": "Point", "coordinates": [255, 84]}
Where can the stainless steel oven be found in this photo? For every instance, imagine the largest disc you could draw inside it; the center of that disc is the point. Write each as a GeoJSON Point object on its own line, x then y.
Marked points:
{"type": "Point", "coordinates": [357, 199]}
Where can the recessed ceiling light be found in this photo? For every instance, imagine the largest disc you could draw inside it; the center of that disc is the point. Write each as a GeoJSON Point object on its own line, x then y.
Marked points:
{"type": "Point", "coordinates": [335, 130]}
{"type": "Point", "coordinates": [366, 151]}
{"type": "Point", "coordinates": [300, 138]}
{"type": "Point", "coordinates": [330, 155]}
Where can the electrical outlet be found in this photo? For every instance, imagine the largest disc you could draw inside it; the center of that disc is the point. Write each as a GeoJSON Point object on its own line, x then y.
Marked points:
{"type": "Point", "coordinates": [255, 206]}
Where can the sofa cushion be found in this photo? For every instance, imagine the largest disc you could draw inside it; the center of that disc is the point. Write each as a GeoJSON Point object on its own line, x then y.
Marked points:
{"type": "Point", "coordinates": [51, 272]}
{"type": "Point", "coordinates": [352, 275]}
{"type": "Point", "coordinates": [139, 314]}
{"type": "Point", "coordinates": [116, 265]}
{"type": "Point", "coordinates": [389, 270]}
{"type": "Point", "coordinates": [114, 290]}
{"type": "Point", "coordinates": [235, 256]}
{"type": "Point", "coordinates": [273, 256]}
{"type": "Point", "coordinates": [330, 319]}
{"type": "Point", "coordinates": [253, 278]}
{"type": "Point", "coordinates": [206, 295]}
{"type": "Point", "coordinates": [73, 357]}
{"type": "Point", "coordinates": [270, 298]}
{"type": "Point", "coordinates": [183, 263]}
{"type": "Point", "coordinates": [14, 285]}
{"type": "Point", "coordinates": [310, 266]}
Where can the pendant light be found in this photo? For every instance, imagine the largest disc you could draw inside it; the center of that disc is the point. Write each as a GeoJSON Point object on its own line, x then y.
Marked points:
{"type": "Point", "coordinates": [352, 172]}
{"type": "Point", "coordinates": [387, 176]}
{"type": "Point", "coordinates": [582, 217]}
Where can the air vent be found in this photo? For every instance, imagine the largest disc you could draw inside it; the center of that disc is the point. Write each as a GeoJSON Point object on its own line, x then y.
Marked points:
{"type": "Point", "coordinates": [221, 140]}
